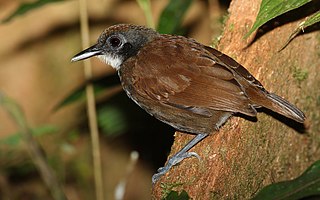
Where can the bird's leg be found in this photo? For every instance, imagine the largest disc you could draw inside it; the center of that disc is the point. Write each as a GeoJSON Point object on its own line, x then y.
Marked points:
{"type": "Point", "coordinates": [179, 156]}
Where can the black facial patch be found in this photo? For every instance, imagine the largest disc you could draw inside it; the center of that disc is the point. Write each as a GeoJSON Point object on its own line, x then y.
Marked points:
{"type": "Point", "coordinates": [128, 50]}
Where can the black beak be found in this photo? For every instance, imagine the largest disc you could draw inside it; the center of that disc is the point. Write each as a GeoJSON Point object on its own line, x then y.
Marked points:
{"type": "Point", "coordinates": [87, 53]}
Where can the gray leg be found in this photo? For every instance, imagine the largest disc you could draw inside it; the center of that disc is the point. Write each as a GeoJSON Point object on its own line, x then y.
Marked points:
{"type": "Point", "coordinates": [179, 156]}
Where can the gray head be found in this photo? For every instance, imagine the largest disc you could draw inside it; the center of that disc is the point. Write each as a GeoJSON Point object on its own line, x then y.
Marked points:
{"type": "Point", "coordinates": [118, 43]}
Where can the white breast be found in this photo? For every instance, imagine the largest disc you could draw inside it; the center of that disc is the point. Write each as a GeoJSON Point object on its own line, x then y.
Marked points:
{"type": "Point", "coordinates": [114, 61]}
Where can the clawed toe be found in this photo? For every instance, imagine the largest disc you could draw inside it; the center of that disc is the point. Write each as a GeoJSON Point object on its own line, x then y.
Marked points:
{"type": "Point", "coordinates": [174, 160]}
{"type": "Point", "coordinates": [190, 154]}
{"type": "Point", "coordinates": [178, 157]}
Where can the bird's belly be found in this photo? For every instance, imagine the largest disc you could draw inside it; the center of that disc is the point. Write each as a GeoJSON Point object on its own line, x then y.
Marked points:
{"type": "Point", "coordinates": [180, 119]}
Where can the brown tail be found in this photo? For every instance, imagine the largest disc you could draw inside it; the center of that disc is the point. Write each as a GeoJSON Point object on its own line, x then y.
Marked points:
{"type": "Point", "coordinates": [283, 107]}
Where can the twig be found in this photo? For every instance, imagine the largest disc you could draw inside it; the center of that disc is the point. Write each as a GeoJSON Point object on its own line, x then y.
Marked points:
{"type": "Point", "coordinates": [91, 108]}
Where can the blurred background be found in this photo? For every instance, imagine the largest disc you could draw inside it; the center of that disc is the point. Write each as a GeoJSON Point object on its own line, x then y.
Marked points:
{"type": "Point", "coordinates": [36, 73]}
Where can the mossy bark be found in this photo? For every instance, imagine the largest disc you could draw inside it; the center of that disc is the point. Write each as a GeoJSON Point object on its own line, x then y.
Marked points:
{"type": "Point", "coordinates": [244, 156]}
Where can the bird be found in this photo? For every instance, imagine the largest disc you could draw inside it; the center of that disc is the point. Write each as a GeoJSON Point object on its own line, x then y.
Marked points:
{"type": "Point", "coordinates": [190, 86]}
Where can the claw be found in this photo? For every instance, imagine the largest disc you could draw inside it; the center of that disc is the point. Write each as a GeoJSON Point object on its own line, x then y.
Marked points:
{"type": "Point", "coordinates": [178, 157]}
{"type": "Point", "coordinates": [190, 154]}
{"type": "Point", "coordinates": [174, 160]}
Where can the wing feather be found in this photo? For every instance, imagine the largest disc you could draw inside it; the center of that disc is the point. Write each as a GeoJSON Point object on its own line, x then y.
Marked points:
{"type": "Point", "coordinates": [197, 82]}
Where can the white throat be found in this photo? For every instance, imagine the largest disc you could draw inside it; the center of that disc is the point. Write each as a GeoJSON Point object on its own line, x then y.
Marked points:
{"type": "Point", "coordinates": [114, 61]}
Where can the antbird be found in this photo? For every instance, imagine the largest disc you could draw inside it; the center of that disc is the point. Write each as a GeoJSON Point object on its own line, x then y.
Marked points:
{"type": "Point", "coordinates": [190, 86]}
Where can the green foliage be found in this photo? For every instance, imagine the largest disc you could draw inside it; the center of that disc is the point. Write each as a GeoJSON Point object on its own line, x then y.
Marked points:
{"type": "Point", "coordinates": [172, 16]}
{"type": "Point", "coordinates": [79, 95]}
{"type": "Point", "coordinates": [26, 7]}
{"type": "Point", "coordinates": [306, 185]}
{"type": "Point", "coordinates": [16, 138]}
{"type": "Point", "coordinates": [174, 195]}
{"type": "Point", "coordinates": [37, 154]}
{"type": "Point", "coordinates": [300, 74]}
{"type": "Point", "coordinates": [270, 9]}
{"type": "Point", "coordinates": [146, 7]}
{"type": "Point", "coordinates": [311, 20]}
{"type": "Point", "coordinates": [15, 112]}
{"type": "Point", "coordinates": [100, 86]}
{"type": "Point", "coordinates": [112, 120]}
{"type": "Point", "coordinates": [167, 188]}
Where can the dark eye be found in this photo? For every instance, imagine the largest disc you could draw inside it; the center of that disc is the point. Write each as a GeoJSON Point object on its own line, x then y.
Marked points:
{"type": "Point", "coordinates": [115, 41]}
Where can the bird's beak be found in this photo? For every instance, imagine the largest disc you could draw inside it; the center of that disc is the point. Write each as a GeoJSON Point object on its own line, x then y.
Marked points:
{"type": "Point", "coordinates": [87, 53]}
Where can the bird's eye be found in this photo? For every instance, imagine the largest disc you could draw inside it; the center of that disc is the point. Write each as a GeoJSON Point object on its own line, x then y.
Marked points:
{"type": "Point", "coordinates": [115, 42]}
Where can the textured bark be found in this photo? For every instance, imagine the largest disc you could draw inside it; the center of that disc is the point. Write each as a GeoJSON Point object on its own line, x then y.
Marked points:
{"type": "Point", "coordinates": [244, 156]}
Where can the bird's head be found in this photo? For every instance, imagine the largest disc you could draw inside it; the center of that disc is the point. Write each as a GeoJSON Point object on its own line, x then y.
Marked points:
{"type": "Point", "coordinates": [118, 43]}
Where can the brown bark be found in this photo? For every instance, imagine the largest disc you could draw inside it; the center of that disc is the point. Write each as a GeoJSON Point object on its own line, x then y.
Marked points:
{"type": "Point", "coordinates": [245, 156]}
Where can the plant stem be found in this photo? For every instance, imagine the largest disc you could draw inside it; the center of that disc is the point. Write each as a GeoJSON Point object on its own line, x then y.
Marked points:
{"type": "Point", "coordinates": [36, 152]}
{"type": "Point", "coordinates": [91, 108]}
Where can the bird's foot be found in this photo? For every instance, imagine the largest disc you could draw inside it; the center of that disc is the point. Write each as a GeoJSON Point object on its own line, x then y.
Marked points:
{"type": "Point", "coordinates": [174, 160]}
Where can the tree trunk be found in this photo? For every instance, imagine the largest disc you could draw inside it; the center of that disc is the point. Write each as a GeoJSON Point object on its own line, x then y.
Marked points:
{"type": "Point", "coordinates": [244, 156]}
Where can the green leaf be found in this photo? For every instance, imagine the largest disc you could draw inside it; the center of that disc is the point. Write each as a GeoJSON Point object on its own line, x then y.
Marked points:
{"type": "Point", "coordinates": [112, 120]}
{"type": "Point", "coordinates": [44, 130]}
{"type": "Point", "coordinates": [311, 20]}
{"type": "Point", "coordinates": [315, 18]}
{"type": "Point", "coordinates": [171, 17]}
{"type": "Point", "coordinates": [145, 6]}
{"type": "Point", "coordinates": [12, 140]}
{"type": "Point", "coordinates": [306, 185]}
{"type": "Point", "coordinates": [15, 139]}
{"type": "Point", "coordinates": [270, 9]}
{"type": "Point", "coordinates": [37, 154]}
{"type": "Point", "coordinates": [14, 110]}
{"type": "Point", "coordinates": [174, 195]}
{"type": "Point", "coordinates": [78, 95]}
{"type": "Point", "coordinates": [26, 7]}
{"type": "Point", "coordinates": [100, 85]}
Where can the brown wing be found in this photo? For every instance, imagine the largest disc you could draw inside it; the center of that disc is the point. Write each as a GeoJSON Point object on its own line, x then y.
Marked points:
{"type": "Point", "coordinates": [233, 66]}
{"type": "Point", "coordinates": [188, 77]}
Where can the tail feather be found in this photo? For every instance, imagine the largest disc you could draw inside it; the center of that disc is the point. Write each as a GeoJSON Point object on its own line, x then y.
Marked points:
{"type": "Point", "coordinates": [285, 108]}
